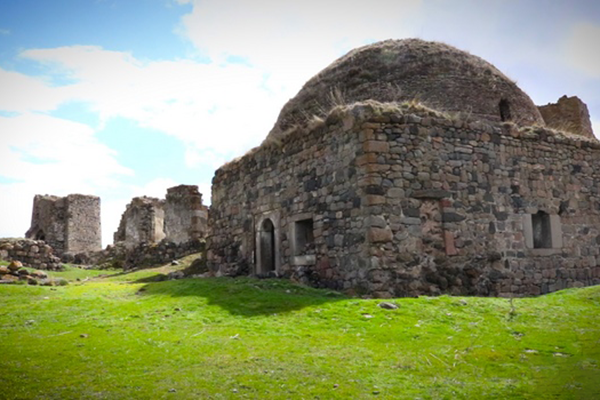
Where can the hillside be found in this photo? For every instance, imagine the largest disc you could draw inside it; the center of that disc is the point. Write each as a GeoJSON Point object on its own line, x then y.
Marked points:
{"type": "Point", "coordinates": [130, 336]}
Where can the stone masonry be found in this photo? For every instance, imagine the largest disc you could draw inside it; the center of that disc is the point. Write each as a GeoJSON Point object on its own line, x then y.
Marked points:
{"type": "Point", "coordinates": [179, 218]}
{"type": "Point", "coordinates": [568, 114]}
{"type": "Point", "coordinates": [400, 202]}
{"type": "Point", "coordinates": [409, 167]}
{"type": "Point", "coordinates": [185, 216]}
{"type": "Point", "coordinates": [142, 222]}
{"type": "Point", "coordinates": [32, 253]}
{"type": "Point", "coordinates": [68, 224]}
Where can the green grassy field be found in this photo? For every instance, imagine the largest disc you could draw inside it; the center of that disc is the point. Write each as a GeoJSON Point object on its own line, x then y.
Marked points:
{"type": "Point", "coordinates": [126, 336]}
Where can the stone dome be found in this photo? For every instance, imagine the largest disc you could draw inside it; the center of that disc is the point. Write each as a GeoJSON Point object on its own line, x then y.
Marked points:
{"type": "Point", "coordinates": [435, 74]}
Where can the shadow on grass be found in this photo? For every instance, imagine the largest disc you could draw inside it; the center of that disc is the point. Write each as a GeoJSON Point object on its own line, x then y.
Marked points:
{"type": "Point", "coordinates": [243, 296]}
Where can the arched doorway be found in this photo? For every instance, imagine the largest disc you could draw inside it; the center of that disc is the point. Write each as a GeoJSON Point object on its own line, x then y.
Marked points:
{"type": "Point", "coordinates": [266, 263]}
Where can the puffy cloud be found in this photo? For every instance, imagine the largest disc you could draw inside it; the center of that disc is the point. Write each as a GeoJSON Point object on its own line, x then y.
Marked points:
{"type": "Point", "coordinates": [22, 93]}
{"type": "Point", "coordinates": [194, 102]}
{"type": "Point", "coordinates": [582, 49]}
{"type": "Point", "coordinates": [292, 40]}
{"type": "Point", "coordinates": [45, 155]}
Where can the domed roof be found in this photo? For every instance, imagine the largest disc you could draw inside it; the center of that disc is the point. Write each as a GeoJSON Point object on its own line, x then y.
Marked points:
{"type": "Point", "coordinates": [435, 74]}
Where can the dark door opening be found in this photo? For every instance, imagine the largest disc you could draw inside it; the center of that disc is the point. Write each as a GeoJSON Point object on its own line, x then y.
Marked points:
{"type": "Point", "coordinates": [267, 247]}
{"type": "Point", "coordinates": [504, 110]}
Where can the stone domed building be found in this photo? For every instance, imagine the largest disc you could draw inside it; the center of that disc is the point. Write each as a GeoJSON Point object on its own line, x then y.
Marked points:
{"type": "Point", "coordinates": [435, 74]}
{"type": "Point", "coordinates": [409, 167]}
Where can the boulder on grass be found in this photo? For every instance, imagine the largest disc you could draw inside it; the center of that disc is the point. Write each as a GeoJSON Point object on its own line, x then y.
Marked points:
{"type": "Point", "coordinates": [15, 265]}
{"type": "Point", "coordinates": [39, 274]}
{"type": "Point", "coordinates": [9, 278]}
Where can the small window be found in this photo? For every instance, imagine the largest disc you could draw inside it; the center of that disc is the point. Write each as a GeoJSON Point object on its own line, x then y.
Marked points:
{"type": "Point", "coordinates": [541, 228]}
{"type": "Point", "coordinates": [504, 110]}
{"type": "Point", "coordinates": [304, 239]}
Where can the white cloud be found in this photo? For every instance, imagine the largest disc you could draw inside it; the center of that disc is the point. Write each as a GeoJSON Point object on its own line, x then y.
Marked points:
{"type": "Point", "coordinates": [21, 93]}
{"type": "Point", "coordinates": [45, 155]}
{"type": "Point", "coordinates": [582, 49]}
{"type": "Point", "coordinates": [213, 108]}
{"type": "Point", "coordinates": [4, 32]}
{"type": "Point", "coordinates": [292, 40]}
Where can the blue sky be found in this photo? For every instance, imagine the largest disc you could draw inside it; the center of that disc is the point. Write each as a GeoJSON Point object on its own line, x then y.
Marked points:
{"type": "Point", "coordinates": [123, 98]}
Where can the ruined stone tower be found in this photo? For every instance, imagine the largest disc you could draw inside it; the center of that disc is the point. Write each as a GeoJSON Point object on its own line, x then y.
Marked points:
{"type": "Point", "coordinates": [185, 216]}
{"type": "Point", "coordinates": [568, 114]}
{"type": "Point", "coordinates": [179, 218]}
{"type": "Point", "coordinates": [69, 224]}
{"type": "Point", "coordinates": [142, 221]}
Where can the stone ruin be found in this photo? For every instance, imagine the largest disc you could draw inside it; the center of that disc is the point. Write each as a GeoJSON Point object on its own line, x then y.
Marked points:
{"type": "Point", "coordinates": [154, 231]}
{"type": "Point", "coordinates": [151, 231]}
{"type": "Point", "coordinates": [568, 114]}
{"type": "Point", "coordinates": [68, 224]}
{"type": "Point", "coordinates": [366, 190]}
{"type": "Point", "coordinates": [142, 222]}
{"type": "Point", "coordinates": [179, 218]}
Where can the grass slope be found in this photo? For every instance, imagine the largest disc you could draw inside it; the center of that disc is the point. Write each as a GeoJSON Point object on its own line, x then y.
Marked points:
{"type": "Point", "coordinates": [124, 336]}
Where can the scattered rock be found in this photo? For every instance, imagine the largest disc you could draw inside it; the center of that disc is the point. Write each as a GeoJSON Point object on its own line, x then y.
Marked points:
{"type": "Point", "coordinates": [4, 270]}
{"type": "Point", "coordinates": [174, 262]}
{"type": "Point", "coordinates": [39, 274]}
{"type": "Point", "coordinates": [15, 265]}
{"type": "Point", "coordinates": [172, 390]}
{"type": "Point", "coordinates": [84, 335]}
{"type": "Point", "coordinates": [176, 275]}
{"type": "Point", "coordinates": [388, 306]}
{"type": "Point", "coordinates": [9, 278]}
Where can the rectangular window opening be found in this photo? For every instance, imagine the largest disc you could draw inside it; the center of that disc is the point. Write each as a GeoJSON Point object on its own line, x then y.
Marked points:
{"type": "Point", "coordinates": [542, 233]}
{"type": "Point", "coordinates": [304, 239]}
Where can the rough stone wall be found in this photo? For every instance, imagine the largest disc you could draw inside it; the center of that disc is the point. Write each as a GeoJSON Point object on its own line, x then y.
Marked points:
{"type": "Point", "coordinates": [83, 225]}
{"type": "Point", "coordinates": [48, 221]}
{"type": "Point", "coordinates": [410, 202]}
{"type": "Point", "coordinates": [142, 222]}
{"type": "Point", "coordinates": [32, 253]}
{"type": "Point", "coordinates": [68, 224]}
{"type": "Point", "coordinates": [455, 202]}
{"type": "Point", "coordinates": [269, 192]}
{"type": "Point", "coordinates": [185, 216]}
{"type": "Point", "coordinates": [568, 114]}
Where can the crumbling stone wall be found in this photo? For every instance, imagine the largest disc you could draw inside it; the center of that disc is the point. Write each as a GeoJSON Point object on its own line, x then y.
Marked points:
{"type": "Point", "coordinates": [68, 224]}
{"type": "Point", "coordinates": [568, 114]}
{"type": "Point", "coordinates": [185, 216]}
{"type": "Point", "coordinates": [142, 222]}
{"type": "Point", "coordinates": [403, 201]}
{"type": "Point", "coordinates": [144, 254]}
{"type": "Point", "coordinates": [179, 218]}
{"type": "Point", "coordinates": [32, 253]}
